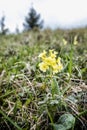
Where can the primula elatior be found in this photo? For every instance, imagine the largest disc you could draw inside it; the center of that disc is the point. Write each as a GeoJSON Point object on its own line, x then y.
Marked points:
{"type": "Point", "coordinates": [64, 42]}
{"type": "Point", "coordinates": [43, 66]}
{"type": "Point", "coordinates": [50, 62]}
{"type": "Point", "coordinates": [75, 40]}
{"type": "Point", "coordinates": [43, 55]}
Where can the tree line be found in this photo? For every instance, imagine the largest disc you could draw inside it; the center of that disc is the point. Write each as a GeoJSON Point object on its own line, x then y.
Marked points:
{"type": "Point", "coordinates": [32, 20]}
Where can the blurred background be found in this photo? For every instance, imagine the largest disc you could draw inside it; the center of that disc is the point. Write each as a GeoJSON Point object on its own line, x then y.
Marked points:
{"type": "Point", "coordinates": [64, 14]}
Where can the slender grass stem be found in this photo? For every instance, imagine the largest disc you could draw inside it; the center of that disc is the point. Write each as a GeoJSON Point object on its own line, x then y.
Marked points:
{"type": "Point", "coordinates": [10, 120]}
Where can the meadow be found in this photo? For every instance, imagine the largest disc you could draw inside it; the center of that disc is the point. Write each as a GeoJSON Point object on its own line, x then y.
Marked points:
{"type": "Point", "coordinates": [43, 80]}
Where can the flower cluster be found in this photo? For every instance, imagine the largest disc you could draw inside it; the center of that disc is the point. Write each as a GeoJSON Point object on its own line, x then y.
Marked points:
{"type": "Point", "coordinates": [75, 41]}
{"type": "Point", "coordinates": [50, 62]}
{"type": "Point", "coordinates": [64, 41]}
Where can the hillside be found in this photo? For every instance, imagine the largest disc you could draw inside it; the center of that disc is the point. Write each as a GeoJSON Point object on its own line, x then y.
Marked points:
{"type": "Point", "coordinates": [35, 97]}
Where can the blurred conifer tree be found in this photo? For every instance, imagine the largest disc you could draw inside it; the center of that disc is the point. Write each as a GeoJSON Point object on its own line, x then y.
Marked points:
{"type": "Point", "coordinates": [32, 20]}
{"type": "Point", "coordinates": [3, 30]}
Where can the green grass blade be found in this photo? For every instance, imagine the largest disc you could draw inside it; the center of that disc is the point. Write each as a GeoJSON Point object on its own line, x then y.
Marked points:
{"type": "Point", "coordinates": [5, 95]}
{"type": "Point", "coordinates": [10, 120]}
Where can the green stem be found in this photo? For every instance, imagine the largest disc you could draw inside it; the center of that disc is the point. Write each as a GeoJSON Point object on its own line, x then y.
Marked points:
{"type": "Point", "coordinates": [8, 93]}
{"type": "Point", "coordinates": [71, 61]}
{"type": "Point", "coordinates": [50, 116]}
{"type": "Point", "coordinates": [82, 113]}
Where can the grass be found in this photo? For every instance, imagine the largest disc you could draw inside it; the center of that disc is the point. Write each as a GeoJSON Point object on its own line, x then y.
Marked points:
{"type": "Point", "coordinates": [28, 97]}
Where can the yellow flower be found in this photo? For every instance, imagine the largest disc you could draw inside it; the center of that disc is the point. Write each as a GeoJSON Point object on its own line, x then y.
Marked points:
{"type": "Point", "coordinates": [43, 66]}
{"type": "Point", "coordinates": [50, 62]}
{"type": "Point", "coordinates": [43, 55]}
{"type": "Point", "coordinates": [75, 40]}
{"type": "Point", "coordinates": [57, 68]}
{"type": "Point", "coordinates": [64, 42]}
{"type": "Point", "coordinates": [52, 54]}
{"type": "Point", "coordinates": [50, 51]}
{"type": "Point", "coordinates": [60, 67]}
{"type": "Point", "coordinates": [59, 60]}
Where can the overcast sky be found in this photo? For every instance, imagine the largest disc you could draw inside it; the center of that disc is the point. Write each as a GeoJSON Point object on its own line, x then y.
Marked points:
{"type": "Point", "coordinates": [55, 13]}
